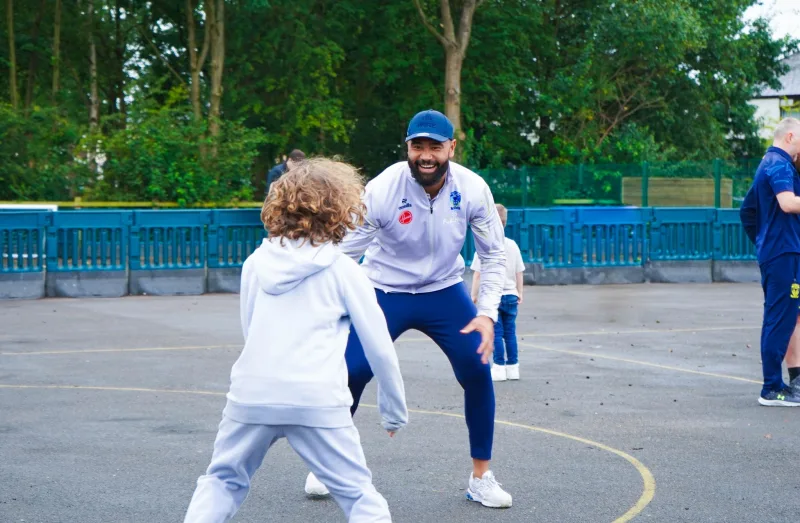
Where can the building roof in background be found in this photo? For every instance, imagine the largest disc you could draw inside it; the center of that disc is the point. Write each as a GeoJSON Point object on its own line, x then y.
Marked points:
{"type": "Point", "coordinates": [790, 82]}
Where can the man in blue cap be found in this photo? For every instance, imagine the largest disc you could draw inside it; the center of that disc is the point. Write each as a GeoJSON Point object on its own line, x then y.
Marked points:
{"type": "Point", "coordinates": [418, 212]}
{"type": "Point", "coordinates": [769, 215]}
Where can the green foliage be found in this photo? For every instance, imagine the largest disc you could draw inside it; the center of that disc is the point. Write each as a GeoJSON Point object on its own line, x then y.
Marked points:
{"type": "Point", "coordinates": [37, 155]}
{"type": "Point", "coordinates": [162, 154]}
{"type": "Point", "coordinates": [551, 83]}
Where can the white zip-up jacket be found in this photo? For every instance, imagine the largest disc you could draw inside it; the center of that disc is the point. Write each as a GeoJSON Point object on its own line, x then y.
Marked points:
{"type": "Point", "coordinates": [412, 243]}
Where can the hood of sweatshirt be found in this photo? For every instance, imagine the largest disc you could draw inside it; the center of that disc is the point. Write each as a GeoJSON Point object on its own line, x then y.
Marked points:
{"type": "Point", "coordinates": [281, 268]}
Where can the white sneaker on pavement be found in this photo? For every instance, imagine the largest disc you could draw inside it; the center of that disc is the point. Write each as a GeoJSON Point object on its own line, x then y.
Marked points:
{"type": "Point", "coordinates": [487, 491]}
{"type": "Point", "coordinates": [314, 487]}
{"type": "Point", "coordinates": [512, 371]}
{"type": "Point", "coordinates": [498, 372]}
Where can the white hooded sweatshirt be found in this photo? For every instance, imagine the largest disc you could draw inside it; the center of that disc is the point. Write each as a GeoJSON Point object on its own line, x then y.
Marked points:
{"type": "Point", "coordinates": [297, 305]}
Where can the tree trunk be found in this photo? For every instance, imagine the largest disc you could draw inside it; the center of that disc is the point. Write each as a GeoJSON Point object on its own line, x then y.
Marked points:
{"type": "Point", "coordinates": [94, 99]}
{"type": "Point", "coordinates": [455, 43]}
{"type": "Point", "coordinates": [196, 63]}
{"type": "Point", "coordinates": [217, 65]}
{"type": "Point", "coordinates": [12, 54]}
{"type": "Point", "coordinates": [452, 88]}
{"type": "Point", "coordinates": [57, 50]}
{"type": "Point", "coordinates": [33, 63]}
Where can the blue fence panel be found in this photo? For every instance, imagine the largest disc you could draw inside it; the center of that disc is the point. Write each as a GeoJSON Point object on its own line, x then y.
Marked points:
{"type": "Point", "coordinates": [545, 236]}
{"type": "Point", "coordinates": [682, 233]}
{"type": "Point", "coordinates": [88, 241]}
{"type": "Point", "coordinates": [730, 240]}
{"type": "Point", "coordinates": [233, 236]}
{"type": "Point", "coordinates": [610, 237]}
{"type": "Point", "coordinates": [169, 239]}
{"type": "Point", "coordinates": [22, 237]}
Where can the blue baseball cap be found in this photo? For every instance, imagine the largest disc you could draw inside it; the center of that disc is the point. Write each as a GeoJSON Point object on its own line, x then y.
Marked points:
{"type": "Point", "coordinates": [430, 124]}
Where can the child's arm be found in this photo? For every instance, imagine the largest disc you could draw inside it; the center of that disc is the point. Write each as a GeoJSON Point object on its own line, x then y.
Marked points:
{"type": "Point", "coordinates": [247, 297]}
{"type": "Point", "coordinates": [476, 286]}
{"type": "Point", "coordinates": [476, 278]}
{"type": "Point", "coordinates": [520, 263]}
{"type": "Point", "coordinates": [370, 323]}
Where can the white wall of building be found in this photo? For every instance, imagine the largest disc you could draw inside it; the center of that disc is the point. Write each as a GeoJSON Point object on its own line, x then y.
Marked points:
{"type": "Point", "coordinates": [768, 114]}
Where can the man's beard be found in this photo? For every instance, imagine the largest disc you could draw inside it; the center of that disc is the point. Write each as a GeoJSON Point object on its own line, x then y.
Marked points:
{"type": "Point", "coordinates": [428, 179]}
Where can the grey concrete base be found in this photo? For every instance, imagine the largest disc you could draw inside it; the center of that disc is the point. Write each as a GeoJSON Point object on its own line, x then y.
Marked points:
{"type": "Point", "coordinates": [22, 285]}
{"type": "Point", "coordinates": [168, 282]}
{"type": "Point", "coordinates": [613, 275]}
{"type": "Point", "coordinates": [736, 271]}
{"type": "Point", "coordinates": [224, 280]}
{"type": "Point", "coordinates": [684, 271]}
{"type": "Point", "coordinates": [82, 284]}
{"type": "Point", "coordinates": [528, 277]}
{"type": "Point", "coordinates": [542, 275]}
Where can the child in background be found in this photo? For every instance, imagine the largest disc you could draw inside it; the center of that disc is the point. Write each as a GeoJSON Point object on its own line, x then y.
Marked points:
{"type": "Point", "coordinates": [299, 295]}
{"type": "Point", "coordinates": [506, 362]}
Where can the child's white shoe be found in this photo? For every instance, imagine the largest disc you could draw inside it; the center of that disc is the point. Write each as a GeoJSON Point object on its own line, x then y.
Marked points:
{"type": "Point", "coordinates": [512, 371]}
{"type": "Point", "coordinates": [499, 372]}
{"type": "Point", "coordinates": [314, 487]}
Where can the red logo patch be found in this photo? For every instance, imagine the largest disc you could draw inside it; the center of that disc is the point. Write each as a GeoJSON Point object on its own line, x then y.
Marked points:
{"type": "Point", "coordinates": [405, 217]}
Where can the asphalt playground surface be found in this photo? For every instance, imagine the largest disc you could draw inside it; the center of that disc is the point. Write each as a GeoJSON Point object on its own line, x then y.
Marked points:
{"type": "Point", "coordinates": [636, 402]}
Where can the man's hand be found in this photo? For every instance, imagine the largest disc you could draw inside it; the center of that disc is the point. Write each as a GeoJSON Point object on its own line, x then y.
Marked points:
{"type": "Point", "coordinates": [485, 326]}
{"type": "Point", "coordinates": [519, 300]}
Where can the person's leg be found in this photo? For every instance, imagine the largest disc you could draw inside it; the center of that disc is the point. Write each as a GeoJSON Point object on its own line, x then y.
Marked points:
{"type": "Point", "coordinates": [396, 311]}
{"type": "Point", "coordinates": [499, 356]}
{"type": "Point", "coordinates": [335, 456]}
{"type": "Point", "coordinates": [792, 358]}
{"type": "Point", "coordinates": [510, 329]}
{"type": "Point", "coordinates": [238, 452]}
{"type": "Point", "coordinates": [779, 281]}
{"type": "Point", "coordinates": [358, 372]}
{"type": "Point", "coordinates": [498, 369]}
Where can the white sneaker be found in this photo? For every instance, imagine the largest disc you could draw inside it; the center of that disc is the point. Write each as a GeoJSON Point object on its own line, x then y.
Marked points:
{"type": "Point", "coordinates": [487, 491]}
{"type": "Point", "coordinates": [512, 371]}
{"type": "Point", "coordinates": [498, 372]}
{"type": "Point", "coordinates": [314, 487]}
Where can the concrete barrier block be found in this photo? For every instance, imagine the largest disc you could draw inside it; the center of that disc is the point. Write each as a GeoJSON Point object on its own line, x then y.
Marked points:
{"type": "Point", "coordinates": [613, 275]}
{"type": "Point", "coordinates": [21, 285]}
{"type": "Point", "coordinates": [224, 280]}
{"type": "Point", "coordinates": [679, 271]}
{"type": "Point", "coordinates": [542, 275]}
{"type": "Point", "coordinates": [168, 282]}
{"type": "Point", "coordinates": [736, 271]}
{"type": "Point", "coordinates": [83, 284]}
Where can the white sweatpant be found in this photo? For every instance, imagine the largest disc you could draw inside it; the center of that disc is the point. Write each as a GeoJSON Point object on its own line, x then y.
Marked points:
{"type": "Point", "coordinates": [335, 456]}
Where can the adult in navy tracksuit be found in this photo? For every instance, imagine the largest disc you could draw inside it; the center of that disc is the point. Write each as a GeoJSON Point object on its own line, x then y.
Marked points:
{"type": "Point", "coordinates": [769, 215]}
{"type": "Point", "coordinates": [417, 217]}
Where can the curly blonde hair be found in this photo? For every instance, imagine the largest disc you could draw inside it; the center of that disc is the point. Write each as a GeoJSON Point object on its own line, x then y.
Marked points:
{"type": "Point", "coordinates": [317, 199]}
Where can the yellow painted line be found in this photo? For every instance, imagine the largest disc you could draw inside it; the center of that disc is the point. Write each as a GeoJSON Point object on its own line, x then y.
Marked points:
{"type": "Point", "coordinates": [401, 340]}
{"type": "Point", "coordinates": [607, 332]}
{"type": "Point", "coordinates": [638, 362]}
{"type": "Point", "coordinates": [648, 481]}
{"type": "Point", "coordinates": [120, 389]}
{"type": "Point", "coordinates": [91, 351]}
{"type": "Point", "coordinates": [639, 331]}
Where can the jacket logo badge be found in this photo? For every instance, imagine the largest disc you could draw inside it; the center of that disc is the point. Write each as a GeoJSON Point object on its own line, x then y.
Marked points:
{"type": "Point", "coordinates": [405, 217]}
{"type": "Point", "coordinates": [404, 204]}
{"type": "Point", "coordinates": [455, 201]}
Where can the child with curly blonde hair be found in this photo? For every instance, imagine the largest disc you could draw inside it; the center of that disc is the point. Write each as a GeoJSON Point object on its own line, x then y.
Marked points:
{"type": "Point", "coordinates": [299, 295]}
